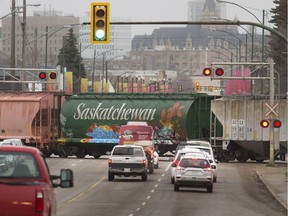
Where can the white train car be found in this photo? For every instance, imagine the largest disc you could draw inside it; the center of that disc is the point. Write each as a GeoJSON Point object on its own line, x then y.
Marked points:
{"type": "Point", "coordinates": [243, 137]}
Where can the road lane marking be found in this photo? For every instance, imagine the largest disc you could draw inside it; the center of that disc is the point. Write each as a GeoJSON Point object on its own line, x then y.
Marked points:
{"type": "Point", "coordinates": [148, 197]}
{"type": "Point", "coordinates": [168, 166]}
{"type": "Point", "coordinates": [144, 203]}
{"type": "Point", "coordinates": [156, 185]}
{"type": "Point", "coordinates": [152, 191]}
{"type": "Point", "coordinates": [83, 193]}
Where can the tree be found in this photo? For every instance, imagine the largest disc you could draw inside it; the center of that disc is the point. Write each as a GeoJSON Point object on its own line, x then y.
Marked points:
{"type": "Point", "coordinates": [278, 48]}
{"type": "Point", "coordinates": [70, 57]}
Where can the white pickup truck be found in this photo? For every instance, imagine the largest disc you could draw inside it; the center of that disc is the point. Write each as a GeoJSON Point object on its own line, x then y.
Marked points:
{"type": "Point", "coordinates": [128, 160]}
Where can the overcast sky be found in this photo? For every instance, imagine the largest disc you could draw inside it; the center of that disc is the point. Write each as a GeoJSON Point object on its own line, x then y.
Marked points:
{"type": "Point", "coordinates": [144, 10]}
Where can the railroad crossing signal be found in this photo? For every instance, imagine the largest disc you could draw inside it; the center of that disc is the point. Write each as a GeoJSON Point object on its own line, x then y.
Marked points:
{"type": "Point", "coordinates": [207, 71]}
{"type": "Point", "coordinates": [265, 123]}
{"type": "Point", "coordinates": [43, 75]}
{"type": "Point", "coordinates": [219, 71]}
{"type": "Point", "coordinates": [100, 23]}
{"type": "Point", "coordinates": [271, 110]}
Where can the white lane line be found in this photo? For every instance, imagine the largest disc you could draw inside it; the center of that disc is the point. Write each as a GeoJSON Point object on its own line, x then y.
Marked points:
{"type": "Point", "coordinates": [156, 185]}
{"type": "Point", "coordinates": [131, 215]}
{"type": "Point", "coordinates": [73, 164]}
{"type": "Point", "coordinates": [148, 197]}
{"type": "Point", "coordinates": [144, 203]}
{"type": "Point", "coordinates": [152, 191]}
{"type": "Point", "coordinates": [159, 180]}
{"type": "Point", "coordinates": [81, 160]}
{"type": "Point", "coordinates": [163, 174]}
{"type": "Point", "coordinates": [168, 166]}
{"type": "Point", "coordinates": [138, 209]}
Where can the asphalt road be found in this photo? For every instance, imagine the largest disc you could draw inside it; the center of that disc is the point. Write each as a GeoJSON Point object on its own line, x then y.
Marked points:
{"type": "Point", "coordinates": [238, 191]}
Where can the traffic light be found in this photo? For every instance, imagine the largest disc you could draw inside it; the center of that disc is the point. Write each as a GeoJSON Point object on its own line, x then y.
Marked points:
{"type": "Point", "coordinates": [100, 23]}
{"type": "Point", "coordinates": [207, 71]}
{"type": "Point", "coordinates": [264, 123]}
{"type": "Point", "coordinates": [43, 75]}
{"type": "Point", "coordinates": [219, 71]}
{"type": "Point", "coordinates": [197, 86]}
{"type": "Point", "coordinates": [277, 123]}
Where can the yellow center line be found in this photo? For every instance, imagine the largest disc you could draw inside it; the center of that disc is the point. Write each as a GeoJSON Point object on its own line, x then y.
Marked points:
{"type": "Point", "coordinates": [82, 194]}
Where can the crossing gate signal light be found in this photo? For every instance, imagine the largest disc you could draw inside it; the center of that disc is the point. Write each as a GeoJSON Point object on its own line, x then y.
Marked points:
{"type": "Point", "coordinates": [264, 123]}
{"type": "Point", "coordinates": [100, 23]}
{"type": "Point", "coordinates": [207, 71]}
{"type": "Point", "coordinates": [43, 75]}
{"type": "Point", "coordinates": [277, 123]}
{"type": "Point", "coordinates": [219, 71]}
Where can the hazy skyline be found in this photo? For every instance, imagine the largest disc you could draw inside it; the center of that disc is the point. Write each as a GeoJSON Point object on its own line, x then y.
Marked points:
{"type": "Point", "coordinates": [148, 10]}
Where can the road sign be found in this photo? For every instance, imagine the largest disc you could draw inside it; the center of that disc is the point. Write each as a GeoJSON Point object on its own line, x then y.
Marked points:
{"type": "Point", "coordinates": [271, 109]}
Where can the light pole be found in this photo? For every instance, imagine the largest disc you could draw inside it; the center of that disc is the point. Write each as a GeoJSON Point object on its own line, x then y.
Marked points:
{"type": "Point", "coordinates": [236, 47]}
{"type": "Point", "coordinates": [48, 36]}
{"type": "Point", "coordinates": [239, 42]}
{"type": "Point", "coordinates": [263, 14]}
{"type": "Point", "coordinates": [103, 65]}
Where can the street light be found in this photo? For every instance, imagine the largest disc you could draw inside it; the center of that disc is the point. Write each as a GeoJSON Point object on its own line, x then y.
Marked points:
{"type": "Point", "coordinates": [103, 65]}
{"type": "Point", "coordinates": [220, 1]}
{"type": "Point", "coordinates": [48, 36]}
{"type": "Point", "coordinates": [239, 42]}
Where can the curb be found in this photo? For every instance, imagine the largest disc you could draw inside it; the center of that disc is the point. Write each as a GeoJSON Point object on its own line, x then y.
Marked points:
{"type": "Point", "coordinates": [270, 190]}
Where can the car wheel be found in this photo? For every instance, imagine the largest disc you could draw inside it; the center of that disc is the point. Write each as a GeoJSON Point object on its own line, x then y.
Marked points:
{"type": "Point", "coordinates": [172, 180]}
{"type": "Point", "coordinates": [144, 176]}
{"type": "Point", "coordinates": [110, 176]}
{"type": "Point", "coordinates": [176, 187]}
{"type": "Point", "coordinates": [151, 169]}
{"type": "Point", "coordinates": [214, 179]}
{"type": "Point", "coordinates": [156, 166]}
{"type": "Point", "coordinates": [210, 189]}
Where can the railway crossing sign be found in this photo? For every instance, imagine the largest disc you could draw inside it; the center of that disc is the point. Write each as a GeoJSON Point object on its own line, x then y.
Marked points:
{"type": "Point", "coordinates": [271, 109]}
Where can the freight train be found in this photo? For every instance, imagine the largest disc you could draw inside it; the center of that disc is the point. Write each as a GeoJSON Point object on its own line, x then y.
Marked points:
{"type": "Point", "coordinates": [89, 123]}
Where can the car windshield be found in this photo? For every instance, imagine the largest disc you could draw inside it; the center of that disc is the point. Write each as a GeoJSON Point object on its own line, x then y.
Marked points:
{"type": "Point", "coordinates": [18, 165]}
{"type": "Point", "coordinates": [128, 151]}
{"type": "Point", "coordinates": [195, 163]}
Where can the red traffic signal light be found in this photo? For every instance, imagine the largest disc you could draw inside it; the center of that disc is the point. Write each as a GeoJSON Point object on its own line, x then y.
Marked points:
{"type": "Point", "coordinates": [264, 123]}
{"type": "Point", "coordinates": [42, 75]}
{"type": "Point", "coordinates": [219, 71]}
{"type": "Point", "coordinates": [207, 71]}
{"type": "Point", "coordinates": [277, 123]}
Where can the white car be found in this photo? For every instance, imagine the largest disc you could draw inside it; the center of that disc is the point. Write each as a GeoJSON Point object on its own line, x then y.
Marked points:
{"type": "Point", "coordinates": [177, 158]}
{"type": "Point", "coordinates": [194, 171]}
{"type": "Point", "coordinates": [156, 160]}
{"type": "Point", "coordinates": [212, 161]}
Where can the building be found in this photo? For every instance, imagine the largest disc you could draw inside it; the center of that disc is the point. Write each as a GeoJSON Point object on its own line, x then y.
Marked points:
{"type": "Point", "coordinates": [45, 32]}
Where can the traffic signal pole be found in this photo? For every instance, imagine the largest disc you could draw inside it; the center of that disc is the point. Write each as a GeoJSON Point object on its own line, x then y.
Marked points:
{"type": "Point", "coordinates": [200, 23]}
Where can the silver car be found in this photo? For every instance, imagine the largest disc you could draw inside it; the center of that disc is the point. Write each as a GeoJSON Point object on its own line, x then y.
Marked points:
{"type": "Point", "coordinates": [194, 172]}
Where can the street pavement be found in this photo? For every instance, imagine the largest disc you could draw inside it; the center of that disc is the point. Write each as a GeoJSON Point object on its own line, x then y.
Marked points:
{"type": "Point", "coordinates": [275, 179]}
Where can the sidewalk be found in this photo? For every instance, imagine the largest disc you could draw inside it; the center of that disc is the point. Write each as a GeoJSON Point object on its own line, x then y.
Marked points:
{"type": "Point", "coordinates": [275, 179]}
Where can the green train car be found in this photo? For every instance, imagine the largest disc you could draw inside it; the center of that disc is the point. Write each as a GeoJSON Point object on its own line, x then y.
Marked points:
{"type": "Point", "coordinates": [90, 122]}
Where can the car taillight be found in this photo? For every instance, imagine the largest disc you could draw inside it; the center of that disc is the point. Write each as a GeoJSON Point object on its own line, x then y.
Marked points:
{"type": "Point", "coordinates": [39, 201]}
{"type": "Point", "coordinates": [176, 162]}
{"type": "Point", "coordinates": [144, 162]}
{"type": "Point", "coordinates": [209, 169]}
{"type": "Point", "coordinates": [109, 162]}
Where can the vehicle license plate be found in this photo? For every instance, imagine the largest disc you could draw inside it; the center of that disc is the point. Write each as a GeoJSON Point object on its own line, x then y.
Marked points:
{"type": "Point", "coordinates": [193, 173]}
{"type": "Point", "coordinates": [126, 169]}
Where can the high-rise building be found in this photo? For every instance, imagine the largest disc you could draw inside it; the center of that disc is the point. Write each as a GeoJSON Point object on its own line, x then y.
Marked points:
{"type": "Point", "coordinates": [45, 32]}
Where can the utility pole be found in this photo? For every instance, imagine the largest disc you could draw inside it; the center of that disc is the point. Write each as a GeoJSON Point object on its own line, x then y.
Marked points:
{"type": "Point", "coordinates": [24, 44]}
{"type": "Point", "coordinates": [12, 64]}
